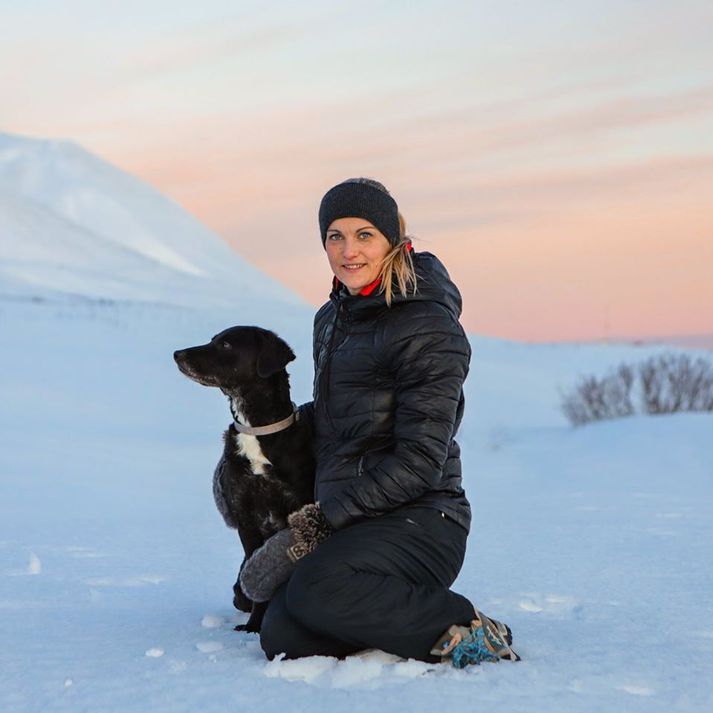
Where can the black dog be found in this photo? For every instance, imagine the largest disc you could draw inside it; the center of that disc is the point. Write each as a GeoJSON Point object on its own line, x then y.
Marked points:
{"type": "Point", "coordinates": [267, 468]}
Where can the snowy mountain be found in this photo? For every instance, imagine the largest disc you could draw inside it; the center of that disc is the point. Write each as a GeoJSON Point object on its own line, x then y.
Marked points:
{"type": "Point", "coordinates": [72, 225]}
{"type": "Point", "coordinates": [116, 569]}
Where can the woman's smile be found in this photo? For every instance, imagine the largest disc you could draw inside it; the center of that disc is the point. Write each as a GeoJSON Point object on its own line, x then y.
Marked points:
{"type": "Point", "coordinates": [357, 266]}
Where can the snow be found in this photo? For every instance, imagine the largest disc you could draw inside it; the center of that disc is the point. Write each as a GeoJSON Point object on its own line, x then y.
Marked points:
{"type": "Point", "coordinates": [116, 570]}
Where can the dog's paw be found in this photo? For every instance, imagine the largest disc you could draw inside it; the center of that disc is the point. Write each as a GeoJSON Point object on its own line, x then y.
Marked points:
{"type": "Point", "coordinates": [247, 627]}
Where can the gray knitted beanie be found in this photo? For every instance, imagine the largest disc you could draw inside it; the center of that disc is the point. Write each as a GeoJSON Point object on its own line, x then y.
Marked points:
{"type": "Point", "coordinates": [361, 198]}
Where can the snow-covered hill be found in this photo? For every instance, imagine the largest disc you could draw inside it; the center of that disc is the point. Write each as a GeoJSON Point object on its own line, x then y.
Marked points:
{"type": "Point", "coordinates": [72, 225]}
{"type": "Point", "coordinates": [116, 569]}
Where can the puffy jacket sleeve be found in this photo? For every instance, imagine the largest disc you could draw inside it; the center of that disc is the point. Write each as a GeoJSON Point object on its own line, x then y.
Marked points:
{"type": "Point", "coordinates": [427, 354]}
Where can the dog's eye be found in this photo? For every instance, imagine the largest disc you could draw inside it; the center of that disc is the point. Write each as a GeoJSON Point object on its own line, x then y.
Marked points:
{"type": "Point", "coordinates": [226, 345]}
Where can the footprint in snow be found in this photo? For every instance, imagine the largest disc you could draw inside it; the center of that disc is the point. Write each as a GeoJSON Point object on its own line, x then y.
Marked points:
{"type": "Point", "coordinates": [34, 566]}
{"type": "Point", "coordinates": [660, 531]}
{"type": "Point", "coordinates": [554, 604]}
{"type": "Point", "coordinates": [84, 552]}
{"type": "Point", "coordinates": [211, 621]}
{"type": "Point", "coordinates": [704, 634]}
{"type": "Point", "coordinates": [209, 647]}
{"type": "Point", "coordinates": [636, 689]}
{"type": "Point", "coordinates": [138, 581]}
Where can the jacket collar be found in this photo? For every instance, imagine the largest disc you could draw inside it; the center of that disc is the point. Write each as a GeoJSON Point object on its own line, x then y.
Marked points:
{"type": "Point", "coordinates": [364, 292]}
{"type": "Point", "coordinates": [434, 285]}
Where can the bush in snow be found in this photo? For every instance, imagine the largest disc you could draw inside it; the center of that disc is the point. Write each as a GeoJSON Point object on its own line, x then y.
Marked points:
{"type": "Point", "coordinates": [666, 383]}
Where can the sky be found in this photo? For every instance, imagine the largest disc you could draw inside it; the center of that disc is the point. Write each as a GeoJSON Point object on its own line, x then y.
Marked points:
{"type": "Point", "coordinates": [557, 156]}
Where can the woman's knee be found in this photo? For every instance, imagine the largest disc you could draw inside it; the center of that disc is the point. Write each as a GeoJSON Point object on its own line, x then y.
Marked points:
{"type": "Point", "coordinates": [317, 590]}
{"type": "Point", "coordinates": [282, 633]}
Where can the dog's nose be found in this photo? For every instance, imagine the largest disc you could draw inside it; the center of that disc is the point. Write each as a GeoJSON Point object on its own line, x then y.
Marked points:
{"type": "Point", "coordinates": [178, 354]}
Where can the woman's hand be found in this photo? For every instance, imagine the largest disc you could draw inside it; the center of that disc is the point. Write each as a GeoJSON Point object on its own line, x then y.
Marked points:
{"type": "Point", "coordinates": [271, 565]}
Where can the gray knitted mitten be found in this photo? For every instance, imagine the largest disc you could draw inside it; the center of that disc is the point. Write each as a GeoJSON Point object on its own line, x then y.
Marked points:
{"type": "Point", "coordinates": [272, 564]}
{"type": "Point", "coordinates": [268, 567]}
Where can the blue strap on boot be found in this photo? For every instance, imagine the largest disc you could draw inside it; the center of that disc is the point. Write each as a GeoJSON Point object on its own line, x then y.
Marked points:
{"type": "Point", "coordinates": [485, 640]}
{"type": "Point", "coordinates": [472, 650]}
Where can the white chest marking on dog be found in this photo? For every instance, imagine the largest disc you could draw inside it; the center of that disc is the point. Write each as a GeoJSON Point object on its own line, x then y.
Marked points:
{"type": "Point", "coordinates": [249, 446]}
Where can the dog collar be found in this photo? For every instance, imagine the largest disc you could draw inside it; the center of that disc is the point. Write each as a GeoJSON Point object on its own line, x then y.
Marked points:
{"type": "Point", "coordinates": [267, 429]}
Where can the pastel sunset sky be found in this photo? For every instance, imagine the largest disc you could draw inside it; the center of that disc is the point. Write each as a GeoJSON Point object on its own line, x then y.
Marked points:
{"type": "Point", "coordinates": [557, 156]}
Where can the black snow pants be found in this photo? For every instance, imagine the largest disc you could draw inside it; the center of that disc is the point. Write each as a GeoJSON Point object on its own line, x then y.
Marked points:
{"type": "Point", "coordinates": [381, 583]}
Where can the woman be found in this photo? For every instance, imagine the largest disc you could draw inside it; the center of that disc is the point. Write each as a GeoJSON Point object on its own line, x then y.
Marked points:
{"type": "Point", "coordinates": [377, 553]}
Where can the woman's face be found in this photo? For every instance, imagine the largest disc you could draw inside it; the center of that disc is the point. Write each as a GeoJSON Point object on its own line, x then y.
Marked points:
{"type": "Point", "coordinates": [355, 249]}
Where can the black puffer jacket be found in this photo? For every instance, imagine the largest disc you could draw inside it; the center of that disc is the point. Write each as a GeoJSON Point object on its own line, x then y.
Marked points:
{"type": "Point", "coordinates": [388, 399]}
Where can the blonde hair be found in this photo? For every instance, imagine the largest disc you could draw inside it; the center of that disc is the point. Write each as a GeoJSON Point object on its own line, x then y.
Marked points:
{"type": "Point", "coordinates": [397, 269]}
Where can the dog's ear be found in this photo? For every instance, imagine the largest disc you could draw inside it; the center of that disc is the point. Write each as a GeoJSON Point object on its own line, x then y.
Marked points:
{"type": "Point", "coordinates": [274, 355]}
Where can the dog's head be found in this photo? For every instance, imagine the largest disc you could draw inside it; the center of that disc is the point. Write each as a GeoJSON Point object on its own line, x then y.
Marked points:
{"type": "Point", "coordinates": [235, 357]}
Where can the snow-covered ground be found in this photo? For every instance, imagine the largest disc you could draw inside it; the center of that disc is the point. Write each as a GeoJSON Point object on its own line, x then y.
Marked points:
{"type": "Point", "coordinates": [116, 569]}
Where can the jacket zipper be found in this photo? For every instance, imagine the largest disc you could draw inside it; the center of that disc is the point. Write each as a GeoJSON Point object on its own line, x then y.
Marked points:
{"type": "Point", "coordinates": [360, 466]}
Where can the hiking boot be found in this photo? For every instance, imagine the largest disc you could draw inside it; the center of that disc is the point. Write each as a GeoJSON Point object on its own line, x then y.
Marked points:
{"type": "Point", "coordinates": [485, 640]}
{"type": "Point", "coordinates": [503, 630]}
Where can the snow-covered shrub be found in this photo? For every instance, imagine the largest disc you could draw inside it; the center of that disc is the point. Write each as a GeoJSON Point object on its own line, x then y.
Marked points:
{"type": "Point", "coordinates": [665, 383]}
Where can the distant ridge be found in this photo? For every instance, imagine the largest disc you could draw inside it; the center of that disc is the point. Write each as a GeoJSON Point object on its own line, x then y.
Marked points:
{"type": "Point", "coordinates": [690, 341]}
{"type": "Point", "coordinates": [693, 341]}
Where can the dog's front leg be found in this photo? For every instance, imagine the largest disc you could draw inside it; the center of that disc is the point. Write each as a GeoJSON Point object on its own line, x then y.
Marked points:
{"type": "Point", "coordinates": [251, 539]}
{"type": "Point", "coordinates": [240, 601]}
{"type": "Point", "coordinates": [254, 623]}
